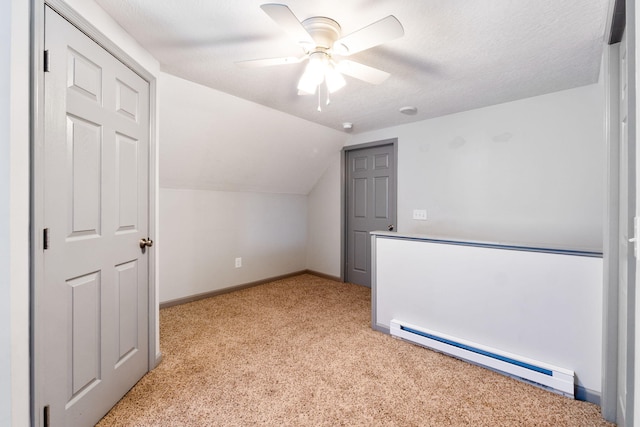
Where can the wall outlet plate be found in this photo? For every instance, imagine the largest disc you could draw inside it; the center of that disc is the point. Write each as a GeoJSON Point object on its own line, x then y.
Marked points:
{"type": "Point", "coordinates": [420, 214]}
{"type": "Point", "coordinates": [238, 262]}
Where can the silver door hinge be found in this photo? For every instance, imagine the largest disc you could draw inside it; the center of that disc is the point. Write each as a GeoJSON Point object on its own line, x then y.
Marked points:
{"type": "Point", "coordinates": [45, 239]}
{"type": "Point", "coordinates": [46, 61]}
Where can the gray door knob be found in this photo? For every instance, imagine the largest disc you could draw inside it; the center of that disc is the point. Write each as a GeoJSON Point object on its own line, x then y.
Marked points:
{"type": "Point", "coordinates": [390, 227]}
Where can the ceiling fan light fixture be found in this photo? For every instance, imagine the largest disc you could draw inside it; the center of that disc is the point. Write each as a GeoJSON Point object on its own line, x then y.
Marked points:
{"type": "Point", "coordinates": [313, 73]}
{"type": "Point", "coordinates": [306, 85]}
{"type": "Point", "coordinates": [334, 79]}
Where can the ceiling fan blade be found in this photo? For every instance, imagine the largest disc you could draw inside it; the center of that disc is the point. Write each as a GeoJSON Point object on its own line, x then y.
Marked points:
{"type": "Point", "coordinates": [362, 72]}
{"type": "Point", "coordinates": [283, 16]}
{"type": "Point", "coordinates": [379, 32]}
{"type": "Point", "coordinates": [268, 62]}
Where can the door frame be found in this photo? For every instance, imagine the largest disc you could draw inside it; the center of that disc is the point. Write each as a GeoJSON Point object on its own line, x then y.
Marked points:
{"type": "Point", "coordinates": [621, 18]}
{"type": "Point", "coordinates": [608, 398]}
{"type": "Point", "coordinates": [37, 176]}
{"type": "Point", "coordinates": [343, 193]}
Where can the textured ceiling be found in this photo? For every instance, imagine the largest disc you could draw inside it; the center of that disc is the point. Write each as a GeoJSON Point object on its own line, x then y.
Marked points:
{"type": "Point", "coordinates": [455, 55]}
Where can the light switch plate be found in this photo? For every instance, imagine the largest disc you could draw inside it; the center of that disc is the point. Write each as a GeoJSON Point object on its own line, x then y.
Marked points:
{"type": "Point", "coordinates": [420, 214]}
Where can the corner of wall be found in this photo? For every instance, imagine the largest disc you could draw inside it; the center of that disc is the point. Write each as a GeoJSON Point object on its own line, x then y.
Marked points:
{"type": "Point", "coordinates": [323, 223]}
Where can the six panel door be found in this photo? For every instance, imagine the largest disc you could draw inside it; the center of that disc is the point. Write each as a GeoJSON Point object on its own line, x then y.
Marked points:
{"type": "Point", "coordinates": [370, 206]}
{"type": "Point", "coordinates": [92, 309]}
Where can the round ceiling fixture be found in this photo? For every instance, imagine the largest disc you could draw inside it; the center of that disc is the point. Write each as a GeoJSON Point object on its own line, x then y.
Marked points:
{"type": "Point", "coordinates": [409, 110]}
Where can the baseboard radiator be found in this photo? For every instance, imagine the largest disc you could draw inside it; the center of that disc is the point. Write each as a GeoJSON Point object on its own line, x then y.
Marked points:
{"type": "Point", "coordinates": [550, 377]}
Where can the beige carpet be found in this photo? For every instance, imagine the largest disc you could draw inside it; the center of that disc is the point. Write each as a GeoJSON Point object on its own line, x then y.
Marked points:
{"type": "Point", "coordinates": [300, 352]}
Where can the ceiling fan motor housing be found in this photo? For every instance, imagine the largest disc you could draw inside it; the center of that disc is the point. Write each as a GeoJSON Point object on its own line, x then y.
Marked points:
{"type": "Point", "coordinates": [324, 31]}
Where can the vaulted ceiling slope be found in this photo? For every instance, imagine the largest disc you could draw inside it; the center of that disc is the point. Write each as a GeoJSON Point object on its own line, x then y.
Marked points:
{"type": "Point", "coordinates": [210, 140]}
{"type": "Point", "coordinates": [454, 55]}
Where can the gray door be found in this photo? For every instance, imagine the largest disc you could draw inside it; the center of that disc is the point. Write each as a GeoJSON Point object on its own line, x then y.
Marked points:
{"type": "Point", "coordinates": [370, 205]}
{"type": "Point", "coordinates": [91, 312]}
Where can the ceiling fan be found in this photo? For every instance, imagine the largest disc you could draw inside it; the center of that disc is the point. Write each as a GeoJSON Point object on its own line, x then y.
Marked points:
{"type": "Point", "coordinates": [321, 41]}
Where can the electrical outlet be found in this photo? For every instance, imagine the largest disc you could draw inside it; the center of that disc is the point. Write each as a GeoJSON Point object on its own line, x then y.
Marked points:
{"type": "Point", "coordinates": [238, 262]}
{"type": "Point", "coordinates": [420, 214]}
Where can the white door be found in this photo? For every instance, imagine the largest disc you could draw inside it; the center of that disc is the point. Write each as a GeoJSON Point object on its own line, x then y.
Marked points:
{"type": "Point", "coordinates": [91, 312]}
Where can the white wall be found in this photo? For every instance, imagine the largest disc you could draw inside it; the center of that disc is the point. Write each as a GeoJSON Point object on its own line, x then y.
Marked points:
{"type": "Point", "coordinates": [542, 306]}
{"type": "Point", "coordinates": [529, 171]}
{"type": "Point", "coordinates": [234, 174]}
{"type": "Point", "coordinates": [18, 205]}
{"type": "Point", "coordinates": [323, 244]}
{"type": "Point", "coordinates": [204, 231]}
{"type": "Point", "coordinates": [5, 223]}
{"type": "Point", "coordinates": [211, 140]}
{"type": "Point", "coordinates": [14, 213]}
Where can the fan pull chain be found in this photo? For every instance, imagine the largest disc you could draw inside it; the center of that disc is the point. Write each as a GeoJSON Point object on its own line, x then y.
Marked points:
{"type": "Point", "coordinates": [328, 101]}
{"type": "Point", "coordinates": [319, 98]}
